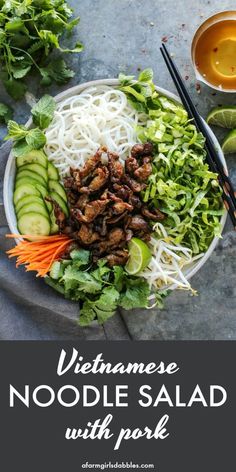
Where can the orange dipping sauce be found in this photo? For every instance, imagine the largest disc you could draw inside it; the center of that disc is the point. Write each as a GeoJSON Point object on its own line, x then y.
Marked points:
{"type": "Point", "coordinates": [215, 54]}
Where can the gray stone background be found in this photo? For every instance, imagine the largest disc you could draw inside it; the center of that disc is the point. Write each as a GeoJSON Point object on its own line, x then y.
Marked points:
{"type": "Point", "coordinates": [125, 35]}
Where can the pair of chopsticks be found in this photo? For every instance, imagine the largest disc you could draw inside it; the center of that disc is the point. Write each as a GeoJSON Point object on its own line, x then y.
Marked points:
{"type": "Point", "coordinates": [213, 159]}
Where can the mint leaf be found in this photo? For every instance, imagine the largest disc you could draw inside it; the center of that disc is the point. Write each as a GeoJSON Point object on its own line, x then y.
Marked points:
{"type": "Point", "coordinates": [35, 138]}
{"type": "Point", "coordinates": [6, 113]}
{"type": "Point", "coordinates": [20, 148]}
{"type": "Point", "coordinates": [43, 111]}
{"type": "Point", "coordinates": [16, 131]}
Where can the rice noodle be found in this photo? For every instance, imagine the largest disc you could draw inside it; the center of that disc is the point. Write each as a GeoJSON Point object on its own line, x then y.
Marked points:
{"type": "Point", "coordinates": [99, 116]}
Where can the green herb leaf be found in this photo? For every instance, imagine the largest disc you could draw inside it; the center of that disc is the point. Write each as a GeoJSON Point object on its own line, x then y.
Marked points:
{"type": "Point", "coordinates": [80, 256]}
{"type": "Point", "coordinates": [102, 308]}
{"type": "Point", "coordinates": [16, 131]}
{"type": "Point", "coordinates": [136, 294]}
{"type": "Point", "coordinates": [146, 75]}
{"type": "Point", "coordinates": [43, 111]}
{"type": "Point", "coordinates": [57, 70]}
{"type": "Point", "coordinates": [6, 113]}
{"type": "Point", "coordinates": [35, 138]}
{"type": "Point", "coordinates": [82, 281]}
{"type": "Point", "coordinates": [15, 88]}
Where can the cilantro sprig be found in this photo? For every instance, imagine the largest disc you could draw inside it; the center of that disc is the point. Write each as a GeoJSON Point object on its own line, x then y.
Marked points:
{"type": "Point", "coordinates": [99, 288]}
{"type": "Point", "coordinates": [29, 31]}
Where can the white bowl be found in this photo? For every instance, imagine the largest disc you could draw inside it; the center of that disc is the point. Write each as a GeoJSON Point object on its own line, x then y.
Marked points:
{"type": "Point", "coordinates": [9, 176]}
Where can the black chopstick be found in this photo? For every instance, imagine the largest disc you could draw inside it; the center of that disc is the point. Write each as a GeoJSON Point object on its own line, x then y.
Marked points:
{"type": "Point", "coordinates": [212, 155]}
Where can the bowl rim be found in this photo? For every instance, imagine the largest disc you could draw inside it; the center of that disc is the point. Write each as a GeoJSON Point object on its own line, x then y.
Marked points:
{"type": "Point", "coordinates": [77, 89]}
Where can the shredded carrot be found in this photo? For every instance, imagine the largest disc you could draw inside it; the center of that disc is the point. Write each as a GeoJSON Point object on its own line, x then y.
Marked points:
{"type": "Point", "coordinates": [40, 252]}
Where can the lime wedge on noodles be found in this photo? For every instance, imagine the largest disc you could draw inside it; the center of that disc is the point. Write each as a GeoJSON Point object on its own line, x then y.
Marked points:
{"type": "Point", "coordinates": [223, 116]}
{"type": "Point", "coordinates": [139, 256]}
{"type": "Point", "coordinates": [229, 143]}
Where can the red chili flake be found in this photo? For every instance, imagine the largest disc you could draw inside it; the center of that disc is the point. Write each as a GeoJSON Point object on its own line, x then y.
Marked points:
{"type": "Point", "coordinates": [183, 25]}
{"type": "Point", "coordinates": [215, 49]}
{"type": "Point", "coordinates": [164, 39]}
{"type": "Point", "coordinates": [186, 77]}
{"type": "Point", "coordinates": [233, 68]}
{"type": "Point", "coordinates": [198, 87]}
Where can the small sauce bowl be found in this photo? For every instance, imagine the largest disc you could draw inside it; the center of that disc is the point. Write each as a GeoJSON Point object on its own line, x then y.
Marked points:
{"type": "Point", "coordinates": [213, 52]}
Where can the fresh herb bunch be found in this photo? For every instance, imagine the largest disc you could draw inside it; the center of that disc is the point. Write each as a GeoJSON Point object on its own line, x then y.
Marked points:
{"type": "Point", "coordinates": [99, 288]}
{"type": "Point", "coordinates": [29, 31]}
{"type": "Point", "coordinates": [27, 139]}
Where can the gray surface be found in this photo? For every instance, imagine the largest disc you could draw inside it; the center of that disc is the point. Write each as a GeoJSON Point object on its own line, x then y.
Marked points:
{"type": "Point", "coordinates": [124, 35]}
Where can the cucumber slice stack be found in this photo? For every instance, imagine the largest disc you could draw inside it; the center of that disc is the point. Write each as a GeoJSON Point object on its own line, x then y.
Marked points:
{"type": "Point", "coordinates": [35, 179]}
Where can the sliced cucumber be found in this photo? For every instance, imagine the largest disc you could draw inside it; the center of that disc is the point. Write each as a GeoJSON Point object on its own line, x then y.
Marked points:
{"type": "Point", "coordinates": [43, 190]}
{"type": "Point", "coordinates": [28, 199]}
{"type": "Point", "coordinates": [29, 173]}
{"type": "Point", "coordinates": [53, 173]}
{"type": "Point", "coordinates": [60, 202]}
{"type": "Point", "coordinates": [49, 206]}
{"type": "Point", "coordinates": [54, 186]}
{"type": "Point", "coordinates": [37, 168]}
{"type": "Point", "coordinates": [34, 224]}
{"type": "Point", "coordinates": [37, 157]}
{"type": "Point", "coordinates": [33, 207]}
{"type": "Point", "coordinates": [23, 190]}
{"type": "Point", "coordinates": [54, 225]}
{"type": "Point", "coordinates": [24, 181]}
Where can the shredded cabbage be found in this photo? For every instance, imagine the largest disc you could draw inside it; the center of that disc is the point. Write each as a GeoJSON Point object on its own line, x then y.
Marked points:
{"type": "Point", "coordinates": [181, 184]}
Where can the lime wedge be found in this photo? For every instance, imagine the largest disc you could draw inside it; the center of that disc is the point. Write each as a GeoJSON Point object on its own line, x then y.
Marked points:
{"type": "Point", "coordinates": [139, 256]}
{"type": "Point", "coordinates": [223, 116]}
{"type": "Point", "coordinates": [229, 143]}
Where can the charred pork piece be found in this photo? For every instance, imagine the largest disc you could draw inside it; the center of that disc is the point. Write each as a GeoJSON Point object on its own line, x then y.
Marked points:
{"type": "Point", "coordinates": [153, 215]}
{"type": "Point", "coordinates": [143, 172]}
{"type": "Point", "coordinates": [142, 149]}
{"type": "Point", "coordinates": [135, 202]}
{"type": "Point", "coordinates": [59, 215]}
{"type": "Point", "coordinates": [120, 207]}
{"type": "Point", "coordinates": [91, 211]}
{"type": "Point", "coordinates": [122, 191]}
{"type": "Point", "coordinates": [138, 223]}
{"type": "Point", "coordinates": [91, 164]}
{"type": "Point", "coordinates": [115, 238]}
{"type": "Point", "coordinates": [72, 197]}
{"type": "Point", "coordinates": [135, 186]}
{"type": "Point", "coordinates": [86, 235]}
{"type": "Point", "coordinates": [70, 183]}
{"type": "Point", "coordinates": [101, 175]}
{"type": "Point", "coordinates": [119, 257]}
{"type": "Point", "coordinates": [82, 201]}
{"type": "Point", "coordinates": [115, 167]}
{"type": "Point", "coordinates": [116, 219]}
{"type": "Point", "coordinates": [131, 164]}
